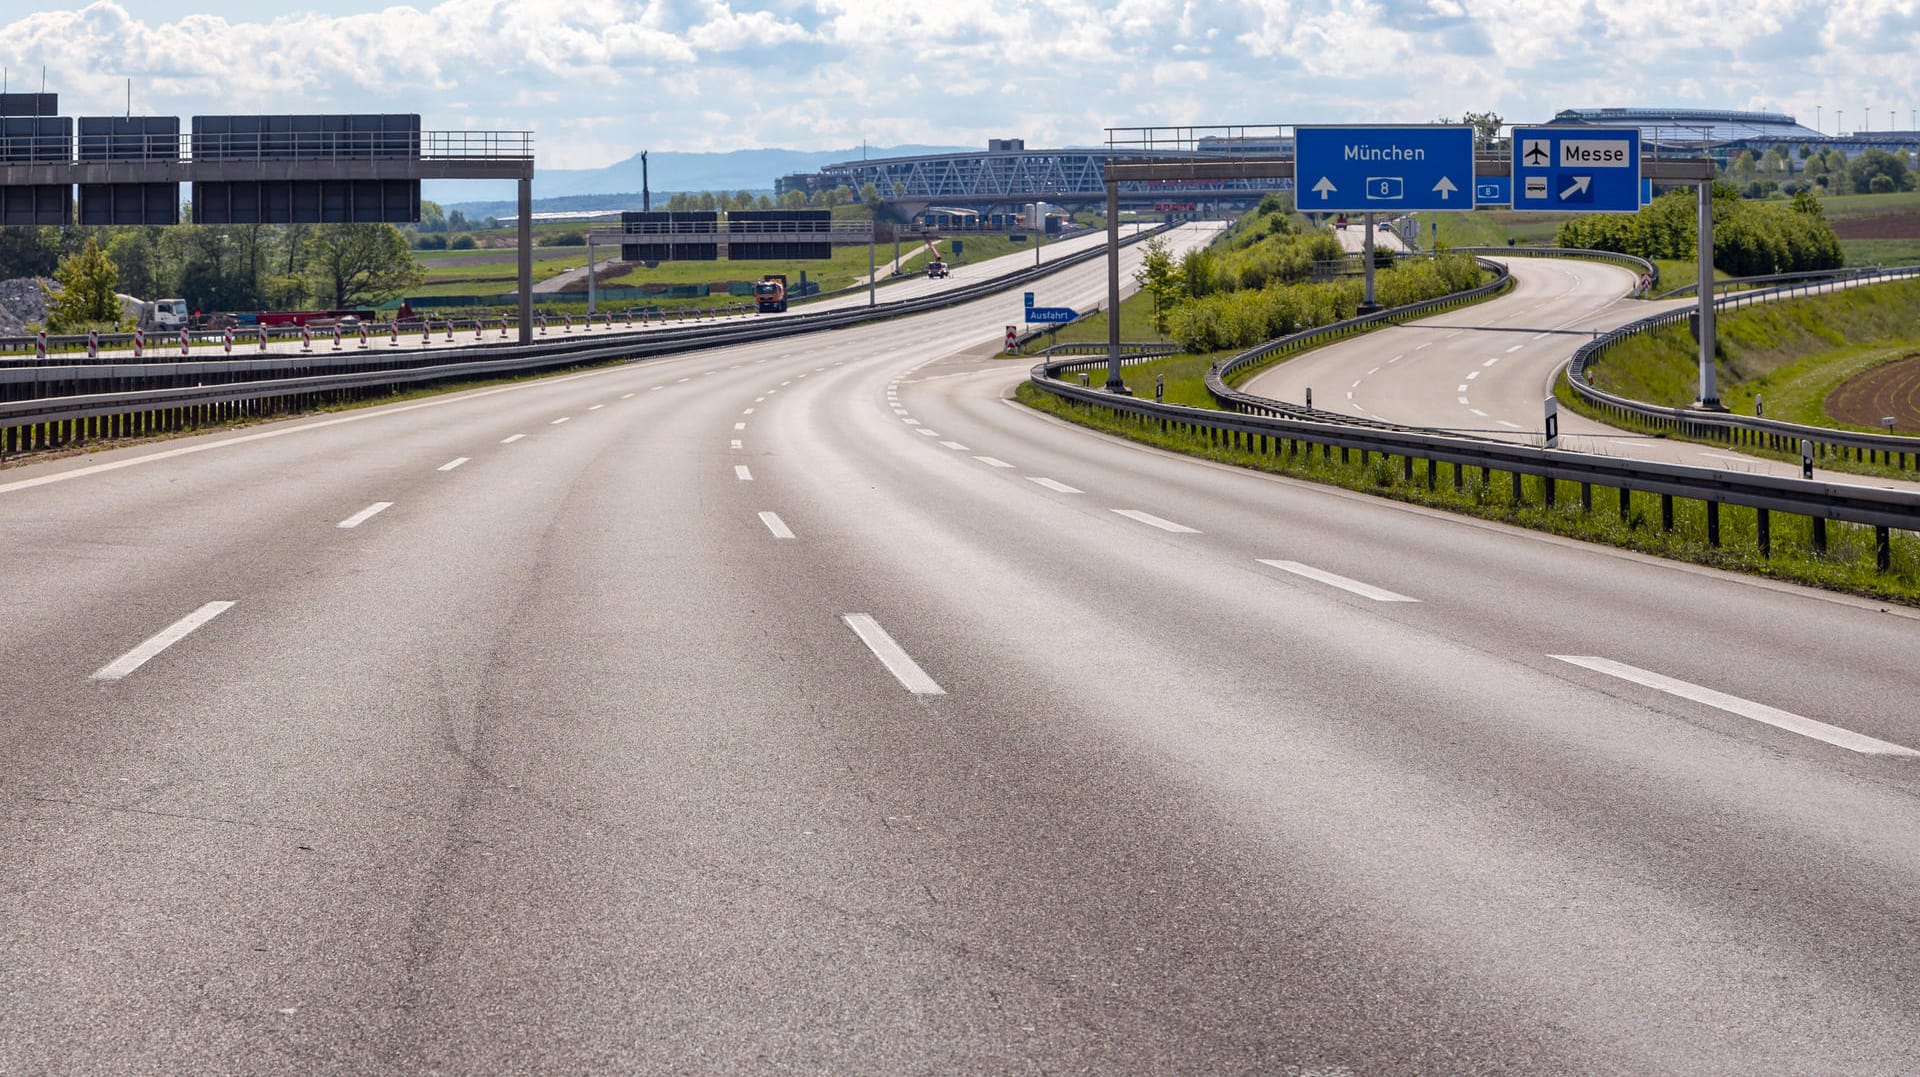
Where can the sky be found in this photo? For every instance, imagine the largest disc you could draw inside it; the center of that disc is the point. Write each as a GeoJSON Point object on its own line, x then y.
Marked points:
{"type": "Point", "coordinates": [599, 80]}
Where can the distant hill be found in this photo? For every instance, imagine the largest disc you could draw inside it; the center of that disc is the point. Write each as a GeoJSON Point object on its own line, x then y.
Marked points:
{"type": "Point", "coordinates": [751, 170]}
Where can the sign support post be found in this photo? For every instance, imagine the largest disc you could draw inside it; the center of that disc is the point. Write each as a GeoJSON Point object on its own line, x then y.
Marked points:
{"type": "Point", "coordinates": [1709, 393]}
{"type": "Point", "coordinates": [1367, 304]}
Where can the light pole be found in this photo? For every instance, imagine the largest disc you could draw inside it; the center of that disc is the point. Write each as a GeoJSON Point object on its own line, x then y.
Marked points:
{"type": "Point", "coordinates": [1816, 119]}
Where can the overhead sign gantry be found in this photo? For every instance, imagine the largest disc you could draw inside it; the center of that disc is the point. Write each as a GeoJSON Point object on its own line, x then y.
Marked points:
{"type": "Point", "coordinates": [1383, 169]}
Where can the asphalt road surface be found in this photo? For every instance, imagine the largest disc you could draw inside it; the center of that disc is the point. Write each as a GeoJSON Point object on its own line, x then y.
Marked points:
{"type": "Point", "coordinates": [808, 706]}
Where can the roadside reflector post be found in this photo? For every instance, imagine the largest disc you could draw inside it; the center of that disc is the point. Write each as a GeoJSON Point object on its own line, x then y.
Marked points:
{"type": "Point", "coordinates": [263, 337]}
{"type": "Point", "coordinates": [1759, 406]}
{"type": "Point", "coordinates": [1309, 398]}
{"type": "Point", "coordinates": [1553, 423]}
{"type": "Point", "coordinates": [1806, 458]}
{"type": "Point", "coordinates": [1013, 338]}
{"type": "Point", "coordinates": [1159, 388]}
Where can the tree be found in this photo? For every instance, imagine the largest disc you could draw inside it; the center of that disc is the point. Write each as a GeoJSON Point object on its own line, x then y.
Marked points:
{"type": "Point", "coordinates": [28, 252]}
{"type": "Point", "coordinates": [136, 258]}
{"type": "Point", "coordinates": [432, 217]}
{"type": "Point", "coordinates": [1486, 129]}
{"type": "Point", "coordinates": [794, 199]}
{"type": "Point", "coordinates": [360, 264]}
{"type": "Point", "coordinates": [870, 194]}
{"type": "Point", "coordinates": [1158, 277]}
{"type": "Point", "coordinates": [1880, 172]}
{"type": "Point", "coordinates": [87, 281]}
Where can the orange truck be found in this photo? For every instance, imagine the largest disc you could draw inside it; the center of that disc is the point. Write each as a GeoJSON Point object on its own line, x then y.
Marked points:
{"type": "Point", "coordinates": [770, 294]}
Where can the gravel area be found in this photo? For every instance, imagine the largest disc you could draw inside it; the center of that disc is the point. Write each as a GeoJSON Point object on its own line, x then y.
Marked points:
{"type": "Point", "coordinates": [22, 304]}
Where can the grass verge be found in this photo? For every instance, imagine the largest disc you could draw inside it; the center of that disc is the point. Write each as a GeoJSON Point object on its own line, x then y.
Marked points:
{"type": "Point", "coordinates": [1847, 566]}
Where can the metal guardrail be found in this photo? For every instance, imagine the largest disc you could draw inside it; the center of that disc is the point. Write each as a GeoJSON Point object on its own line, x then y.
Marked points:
{"type": "Point", "coordinates": [1884, 510]}
{"type": "Point", "coordinates": [1637, 264]}
{"type": "Point", "coordinates": [1731, 284]}
{"type": "Point", "coordinates": [1738, 430]}
{"type": "Point", "coordinates": [56, 405]}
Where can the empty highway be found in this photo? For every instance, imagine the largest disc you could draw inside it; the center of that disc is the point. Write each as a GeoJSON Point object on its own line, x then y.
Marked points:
{"type": "Point", "coordinates": [810, 706]}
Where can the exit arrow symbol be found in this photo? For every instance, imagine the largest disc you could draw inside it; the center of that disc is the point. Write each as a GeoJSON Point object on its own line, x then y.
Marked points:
{"type": "Point", "coordinates": [1324, 188]}
{"type": "Point", "coordinates": [1445, 187]}
{"type": "Point", "coordinates": [1579, 187]}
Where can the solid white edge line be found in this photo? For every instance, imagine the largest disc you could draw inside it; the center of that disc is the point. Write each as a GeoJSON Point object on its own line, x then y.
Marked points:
{"type": "Point", "coordinates": [511, 439]}
{"type": "Point", "coordinates": [1364, 590]}
{"type": "Point", "coordinates": [1054, 485]}
{"type": "Point", "coordinates": [776, 525]}
{"type": "Point", "coordinates": [892, 655]}
{"type": "Point", "coordinates": [740, 472]}
{"type": "Point", "coordinates": [1745, 708]}
{"type": "Point", "coordinates": [453, 463]}
{"type": "Point", "coordinates": [365, 514]}
{"type": "Point", "coordinates": [165, 638]}
{"type": "Point", "coordinates": [1151, 520]}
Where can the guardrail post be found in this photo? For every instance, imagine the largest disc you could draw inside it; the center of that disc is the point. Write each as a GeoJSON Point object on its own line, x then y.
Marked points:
{"type": "Point", "coordinates": [1666, 512]}
{"type": "Point", "coordinates": [1763, 531]}
{"type": "Point", "coordinates": [1519, 491]}
{"type": "Point", "coordinates": [1713, 523]}
{"type": "Point", "coordinates": [1882, 549]}
{"type": "Point", "coordinates": [1819, 527]}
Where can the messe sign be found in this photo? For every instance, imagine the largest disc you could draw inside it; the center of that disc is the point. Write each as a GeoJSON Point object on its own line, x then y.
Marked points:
{"type": "Point", "coordinates": [1577, 169]}
{"type": "Point", "coordinates": [1383, 169]}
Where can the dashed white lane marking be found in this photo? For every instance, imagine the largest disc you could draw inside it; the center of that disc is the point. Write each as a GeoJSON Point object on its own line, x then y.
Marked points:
{"type": "Point", "coordinates": [784, 384]}
{"type": "Point", "coordinates": [683, 379]}
{"type": "Point", "coordinates": [1151, 520]}
{"type": "Point", "coordinates": [1349, 394]}
{"type": "Point", "coordinates": [511, 439]}
{"type": "Point", "coordinates": [1473, 375]}
{"type": "Point", "coordinates": [656, 388]}
{"type": "Point", "coordinates": [759, 399]}
{"type": "Point", "coordinates": [739, 426]}
{"type": "Point", "coordinates": [1424, 347]}
{"type": "Point", "coordinates": [1511, 425]}
{"type": "Point", "coordinates": [929, 433]}
{"type": "Point", "coordinates": [365, 514]}
{"type": "Point", "coordinates": [560, 420]}
{"type": "Point", "coordinates": [992, 461]}
{"type": "Point", "coordinates": [1461, 388]}
{"type": "Point", "coordinates": [749, 411]}
{"type": "Point", "coordinates": [1478, 412]}
{"type": "Point", "coordinates": [901, 411]}
{"type": "Point", "coordinates": [1540, 336]}
{"type": "Point", "coordinates": [740, 472]}
{"type": "Point", "coordinates": [161, 640]}
{"type": "Point", "coordinates": [1461, 399]}
{"type": "Point", "coordinates": [1745, 708]}
{"type": "Point", "coordinates": [911, 421]}
{"type": "Point", "coordinates": [1355, 385]}
{"type": "Point", "coordinates": [821, 369]}
{"type": "Point", "coordinates": [776, 525]}
{"type": "Point", "coordinates": [453, 463]}
{"type": "Point", "coordinates": [596, 407]}
{"type": "Point", "coordinates": [709, 373]}
{"type": "Point", "coordinates": [736, 443]}
{"type": "Point", "coordinates": [1056, 487]}
{"type": "Point", "coordinates": [1364, 590]}
{"type": "Point", "coordinates": [1491, 361]}
{"type": "Point", "coordinates": [1370, 373]}
{"type": "Point", "coordinates": [1515, 348]}
{"type": "Point", "coordinates": [892, 655]}
{"type": "Point", "coordinates": [1397, 358]}
{"type": "Point", "coordinates": [626, 396]}
{"type": "Point", "coordinates": [955, 446]}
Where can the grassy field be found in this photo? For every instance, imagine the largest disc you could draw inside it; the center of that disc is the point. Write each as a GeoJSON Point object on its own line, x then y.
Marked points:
{"type": "Point", "coordinates": [1881, 252]}
{"type": "Point", "coordinates": [1491, 228]}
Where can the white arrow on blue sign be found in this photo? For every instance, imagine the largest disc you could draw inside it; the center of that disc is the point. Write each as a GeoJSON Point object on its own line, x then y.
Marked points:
{"type": "Point", "coordinates": [1577, 169]}
{"type": "Point", "coordinates": [1384, 169]}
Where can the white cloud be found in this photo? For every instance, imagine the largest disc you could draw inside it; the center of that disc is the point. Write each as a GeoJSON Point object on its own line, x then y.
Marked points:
{"type": "Point", "coordinates": [595, 78]}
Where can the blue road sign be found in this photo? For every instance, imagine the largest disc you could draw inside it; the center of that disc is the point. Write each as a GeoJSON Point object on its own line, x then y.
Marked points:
{"type": "Point", "coordinates": [1577, 169]}
{"type": "Point", "coordinates": [1493, 191]}
{"type": "Point", "coordinates": [1383, 169]}
{"type": "Point", "coordinates": [1048, 315]}
{"type": "Point", "coordinates": [1646, 192]}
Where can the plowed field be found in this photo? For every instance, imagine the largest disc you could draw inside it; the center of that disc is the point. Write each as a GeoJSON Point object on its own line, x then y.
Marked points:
{"type": "Point", "coordinates": [1888, 389]}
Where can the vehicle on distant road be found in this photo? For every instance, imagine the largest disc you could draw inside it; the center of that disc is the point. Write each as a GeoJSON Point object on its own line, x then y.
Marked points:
{"type": "Point", "coordinates": [770, 294]}
{"type": "Point", "coordinates": [164, 314]}
{"type": "Point", "coordinates": [937, 270]}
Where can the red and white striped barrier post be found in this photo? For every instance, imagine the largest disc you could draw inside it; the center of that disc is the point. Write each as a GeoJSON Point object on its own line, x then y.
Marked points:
{"type": "Point", "coordinates": [139, 343]}
{"type": "Point", "coordinates": [479, 326]}
{"type": "Point", "coordinates": [449, 330]}
{"type": "Point", "coordinates": [93, 343]}
{"type": "Point", "coordinates": [336, 336]}
{"type": "Point", "coordinates": [393, 333]}
{"type": "Point", "coordinates": [306, 338]}
{"type": "Point", "coordinates": [426, 330]}
{"type": "Point", "coordinates": [503, 329]}
{"type": "Point", "coordinates": [183, 342]}
{"type": "Point", "coordinates": [629, 317]}
{"type": "Point", "coordinates": [567, 320]}
{"type": "Point", "coordinates": [40, 345]}
{"type": "Point", "coordinates": [226, 340]}
{"type": "Point", "coordinates": [261, 339]}
{"type": "Point", "coordinates": [363, 334]}
{"type": "Point", "coordinates": [543, 325]}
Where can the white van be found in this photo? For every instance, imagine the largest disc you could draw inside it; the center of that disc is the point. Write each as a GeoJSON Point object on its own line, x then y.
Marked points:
{"type": "Point", "coordinates": [164, 314]}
